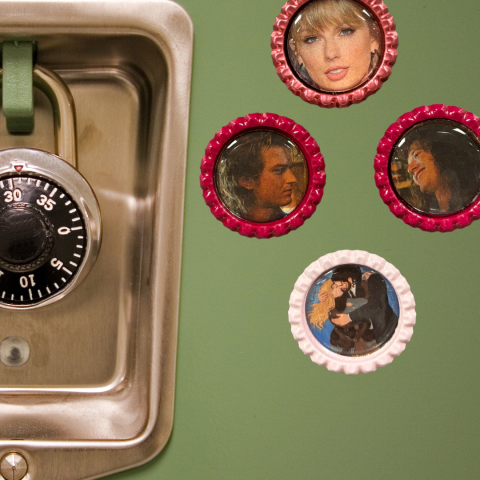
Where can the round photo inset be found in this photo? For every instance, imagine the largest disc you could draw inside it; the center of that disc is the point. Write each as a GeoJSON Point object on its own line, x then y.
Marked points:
{"type": "Point", "coordinates": [334, 53]}
{"type": "Point", "coordinates": [435, 167]}
{"type": "Point", "coordinates": [261, 176]}
{"type": "Point", "coordinates": [334, 45]}
{"type": "Point", "coordinates": [352, 310]}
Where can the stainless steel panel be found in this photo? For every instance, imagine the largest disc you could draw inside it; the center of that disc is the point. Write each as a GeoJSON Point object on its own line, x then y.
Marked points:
{"type": "Point", "coordinates": [96, 394]}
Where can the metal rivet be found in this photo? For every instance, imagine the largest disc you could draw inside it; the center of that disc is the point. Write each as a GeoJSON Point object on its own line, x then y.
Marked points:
{"type": "Point", "coordinates": [13, 466]}
{"type": "Point", "coordinates": [14, 352]}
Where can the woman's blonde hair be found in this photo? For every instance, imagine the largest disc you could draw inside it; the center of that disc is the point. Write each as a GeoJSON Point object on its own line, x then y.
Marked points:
{"type": "Point", "coordinates": [327, 13]}
{"type": "Point", "coordinates": [319, 313]}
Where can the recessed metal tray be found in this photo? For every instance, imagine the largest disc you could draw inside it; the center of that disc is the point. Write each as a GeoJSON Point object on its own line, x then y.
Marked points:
{"type": "Point", "coordinates": [96, 395]}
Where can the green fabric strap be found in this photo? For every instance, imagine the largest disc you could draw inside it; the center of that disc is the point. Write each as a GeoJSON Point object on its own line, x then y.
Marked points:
{"type": "Point", "coordinates": [17, 89]}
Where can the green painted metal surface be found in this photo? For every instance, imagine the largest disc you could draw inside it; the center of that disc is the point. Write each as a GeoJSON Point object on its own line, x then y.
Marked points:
{"type": "Point", "coordinates": [17, 89]}
{"type": "Point", "coordinates": [249, 404]}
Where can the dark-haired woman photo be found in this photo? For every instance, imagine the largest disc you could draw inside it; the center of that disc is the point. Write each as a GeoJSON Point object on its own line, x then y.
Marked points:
{"type": "Point", "coordinates": [443, 162]}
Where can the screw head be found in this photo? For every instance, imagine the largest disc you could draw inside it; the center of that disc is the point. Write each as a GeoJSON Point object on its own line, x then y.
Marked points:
{"type": "Point", "coordinates": [13, 466]}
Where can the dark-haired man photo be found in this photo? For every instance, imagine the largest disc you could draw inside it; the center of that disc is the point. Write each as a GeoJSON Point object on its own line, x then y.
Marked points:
{"type": "Point", "coordinates": [254, 179]}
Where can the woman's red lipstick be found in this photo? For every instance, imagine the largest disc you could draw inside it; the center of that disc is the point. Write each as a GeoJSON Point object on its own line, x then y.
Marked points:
{"type": "Point", "coordinates": [336, 73]}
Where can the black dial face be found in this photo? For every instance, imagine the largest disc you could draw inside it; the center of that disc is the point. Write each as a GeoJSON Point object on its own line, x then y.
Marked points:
{"type": "Point", "coordinates": [42, 239]}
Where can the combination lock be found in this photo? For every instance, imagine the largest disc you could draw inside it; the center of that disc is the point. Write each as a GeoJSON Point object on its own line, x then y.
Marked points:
{"type": "Point", "coordinates": [50, 223]}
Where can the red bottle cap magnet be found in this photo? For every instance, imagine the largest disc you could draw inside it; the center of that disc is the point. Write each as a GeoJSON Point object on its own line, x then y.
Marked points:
{"type": "Point", "coordinates": [262, 175]}
{"type": "Point", "coordinates": [427, 168]}
{"type": "Point", "coordinates": [333, 53]}
{"type": "Point", "coordinates": [352, 311]}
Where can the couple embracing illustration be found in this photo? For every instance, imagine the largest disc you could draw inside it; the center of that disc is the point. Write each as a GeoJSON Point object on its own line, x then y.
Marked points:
{"type": "Point", "coordinates": [355, 306]}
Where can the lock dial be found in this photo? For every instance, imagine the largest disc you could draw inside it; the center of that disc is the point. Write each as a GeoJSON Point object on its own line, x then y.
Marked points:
{"type": "Point", "coordinates": [49, 228]}
{"type": "Point", "coordinates": [42, 238]}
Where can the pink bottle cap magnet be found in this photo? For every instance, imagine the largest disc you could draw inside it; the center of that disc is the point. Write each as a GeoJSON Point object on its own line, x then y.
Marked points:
{"type": "Point", "coordinates": [333, 53]}
{"type": "Point", "coordinates": [352, 311]}
{"type": "Point", "coordinates": [262, 175]}
{"type": "Point", "coordinates": [427, 168]}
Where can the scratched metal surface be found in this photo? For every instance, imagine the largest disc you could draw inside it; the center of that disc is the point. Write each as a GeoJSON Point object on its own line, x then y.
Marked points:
{"type": "Point", "coordinates": [96, 395]}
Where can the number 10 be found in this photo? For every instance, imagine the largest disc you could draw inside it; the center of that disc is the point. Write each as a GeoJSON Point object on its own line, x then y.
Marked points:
{"type": "Point", "coordinates": [26, 282]}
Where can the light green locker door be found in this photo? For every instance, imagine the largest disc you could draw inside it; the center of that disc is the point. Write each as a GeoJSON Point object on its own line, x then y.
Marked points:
{"type": "Point", "coordinates": [249, 404]}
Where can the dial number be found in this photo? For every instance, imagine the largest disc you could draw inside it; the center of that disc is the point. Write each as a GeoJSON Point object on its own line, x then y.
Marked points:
{"type": "Point", "coordinates": [46, 203]}
{"type": "Point", "coordinates": [26, 282]}
{"type": "Point", "coordinates": [13, 195]}
{"type": "Point", "coordinates": [56, 263]}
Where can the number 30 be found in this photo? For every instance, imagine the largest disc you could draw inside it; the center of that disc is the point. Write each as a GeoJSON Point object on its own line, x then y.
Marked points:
{"type": "Point", "coordinates": [11, 195]}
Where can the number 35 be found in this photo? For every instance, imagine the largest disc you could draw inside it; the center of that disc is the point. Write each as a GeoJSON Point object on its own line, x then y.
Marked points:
{"type": "Point", "coordinates": [45, 202]}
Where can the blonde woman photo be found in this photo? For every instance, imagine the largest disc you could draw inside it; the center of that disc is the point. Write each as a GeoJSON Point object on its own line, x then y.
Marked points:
{"type": "Point", "coordinates": [320, 311]}
{"type": "Point", "coordinates": [334, 45]}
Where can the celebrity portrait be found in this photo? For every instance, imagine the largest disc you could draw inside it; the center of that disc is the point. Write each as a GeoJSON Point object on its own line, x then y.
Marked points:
{"type": "Point", "coordinates": [334, 45]}
{"type": "Point", "coordinates": [261, 176]}
{"type": "Point", "coordinates": [352, 310]}
{"type": "Point", "coordinates": [435, 167]}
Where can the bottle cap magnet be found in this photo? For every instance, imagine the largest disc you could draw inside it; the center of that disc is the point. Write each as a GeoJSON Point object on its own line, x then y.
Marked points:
{"type": "Point", "coordinates": [427, 168]}
{"type": "Point", "coordinates": [262, 175]}
{"type": "Point", "coordinates": [333, 53]}
{"type": "Point", "coordinates": [352, 311]}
